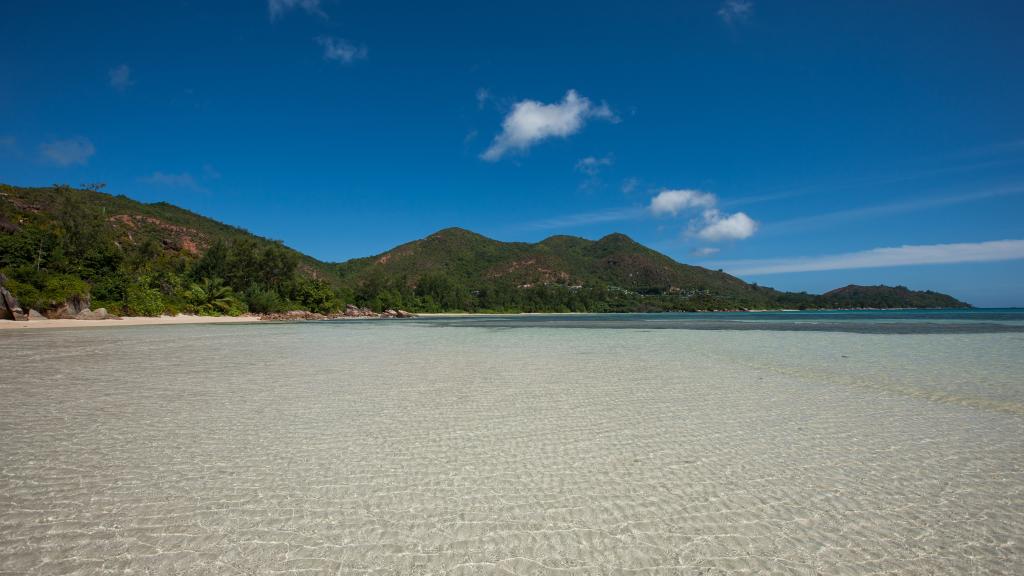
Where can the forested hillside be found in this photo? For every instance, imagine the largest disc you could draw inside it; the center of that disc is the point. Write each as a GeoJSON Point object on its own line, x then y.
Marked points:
{"type": "Point", "coordinates": [458, 269]}
{"type": "Point", "coordinates": [61, 244]}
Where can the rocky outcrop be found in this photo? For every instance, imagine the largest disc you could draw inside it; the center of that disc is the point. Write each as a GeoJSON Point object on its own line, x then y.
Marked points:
{"type": "Point", "coordinates": [71, 309]}
{"type": "Point", "coordinates": [35, 315]}
{"type": "Point", "coordinates": [97, 314]}
{"type": "Point", "coordinates": [294, 315]}
{"type": "Point", "coordinates": [8, 227]}
{"type": "Point", "coordinates": [349, 312]}
{"type": "Point", "coordinates": [352, 311]}
{"type": "Point", "coordinates": [10, 309]}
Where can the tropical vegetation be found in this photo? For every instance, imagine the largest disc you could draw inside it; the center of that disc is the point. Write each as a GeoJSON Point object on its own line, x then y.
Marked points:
{"type": "Point", "coordinates": [60, 243]}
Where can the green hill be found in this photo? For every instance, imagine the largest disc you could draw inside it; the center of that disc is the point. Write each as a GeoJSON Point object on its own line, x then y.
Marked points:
{"type": "Point", "coordinates": [454, 268]}
{"type": "Point", "coordinates": [854, 296]}
{"type": "Point", "coordinates": [59, 244]}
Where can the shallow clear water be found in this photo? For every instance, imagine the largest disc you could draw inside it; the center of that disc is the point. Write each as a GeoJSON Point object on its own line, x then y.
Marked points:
{"type": "Point", "coordinates": [469, 446]}
{"type": "Point", "coordinates": [951, 321]}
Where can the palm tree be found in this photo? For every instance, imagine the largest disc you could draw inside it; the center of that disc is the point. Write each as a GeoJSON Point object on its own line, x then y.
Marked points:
{"type": "Point", "coordinates": [214, 297]}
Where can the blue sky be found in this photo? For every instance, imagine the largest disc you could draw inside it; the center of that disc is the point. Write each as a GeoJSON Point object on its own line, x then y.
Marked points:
{"type": "Point", "coordinates": [801, 145]}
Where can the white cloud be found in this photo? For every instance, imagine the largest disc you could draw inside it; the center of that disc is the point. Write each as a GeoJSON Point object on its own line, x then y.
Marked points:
{"type": "Point", "coordinates": [75, 150]}
{"type": "Point", "coordinates": [907, 255]}
{"type": "Point", "coordinates": [674, 201]}
{"type": "Point", "coordinates": [340, 50]}
{"type": "Point", "coordinates": [713, 226]}
{"type": "Point", "coordinates": [706, 251]}
{"type": "Point", "coordinates": [530, 122]}
{"type": "Point", "coordinates": [121, 77]}
{"type": "Point", "coordinates": [279, 7]}
{"type": "Point", "coordinates": [719, 227]}
{"type": "Point", "coordinates": [735, 10]}
{"type": "Point", "coordinates": [170, 180]}
{"type": "Point", "coordinates": [629, 185]}
{"type": "Point", "coordinates": [591, 165]}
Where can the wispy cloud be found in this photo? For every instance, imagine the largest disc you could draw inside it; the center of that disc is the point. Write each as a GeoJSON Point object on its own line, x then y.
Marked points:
{"type": "Point", "coordinates": [340, 50]}
{"type": "Point", "coordinates": [121, 78]}
{"type": "Point", "coordinates": [914, 205]}
{"type": "Point", "coordinates": [531, 121]}
{"type": "Point", "coordinates": [630, 185]}
{"type": "Point", "coordinates": [588, 218]}
{"type": "Point", "coordinates": [703, 252]}
{"type": "Point", "coordinates": [592, 165]}
{"type": "Point", "coordinates": [278, 8]}
{"type": "Point", "coordinates": [69, 151]}
{"type": "Point", "coordinates": [210, 173]}
{"type": "Point", "coordinates": [745, 200]}
{"type": "Point", "coordinates": [482, 96]}
{"type": "Point", "coordinates": [8, 145]}
{"type": "Point", "coordinates": [1013, 147]}
{"type": "Point", "coordinates": [733, 11]}
{"type": "Point", "coordinates": [182, 180]}
{"type": "Point", "coordinates": [909, 255]}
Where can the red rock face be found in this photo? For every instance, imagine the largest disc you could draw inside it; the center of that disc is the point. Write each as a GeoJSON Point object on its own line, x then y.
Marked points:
{"type": "Point", "coordinates": [176, 237]}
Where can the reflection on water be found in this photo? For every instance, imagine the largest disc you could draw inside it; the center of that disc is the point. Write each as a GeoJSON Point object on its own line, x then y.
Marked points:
{"type": "Point", "coordinates": [412, 448]}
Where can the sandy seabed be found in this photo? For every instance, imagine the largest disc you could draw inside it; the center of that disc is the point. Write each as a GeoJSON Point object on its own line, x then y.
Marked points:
{"type": "Point", "coordinates": [392, 448]}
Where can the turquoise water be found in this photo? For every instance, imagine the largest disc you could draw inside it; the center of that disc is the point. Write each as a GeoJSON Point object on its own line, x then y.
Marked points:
{"type": "Point", "coordinates": [532, 445]}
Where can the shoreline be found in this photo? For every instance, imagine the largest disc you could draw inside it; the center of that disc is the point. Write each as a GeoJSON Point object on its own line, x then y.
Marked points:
{"type": "Point", "coordinates": [253, 318]}
{"type": "Point", "coordinates": [125, 321]}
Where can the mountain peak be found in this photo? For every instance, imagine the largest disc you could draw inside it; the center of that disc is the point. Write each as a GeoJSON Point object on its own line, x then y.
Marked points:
{"type": "Point", "coordinates": [453, 232]}
{"type": "Point", "coordinates": [617, 237]}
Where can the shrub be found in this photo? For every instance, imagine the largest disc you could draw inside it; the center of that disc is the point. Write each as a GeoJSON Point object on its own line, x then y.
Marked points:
{"type": "Point", "coordinates": [264, 301]}
{"type": "Point", "coordinates": [316, 296]}
{"type": "Point", "coordinates": [141, 300]}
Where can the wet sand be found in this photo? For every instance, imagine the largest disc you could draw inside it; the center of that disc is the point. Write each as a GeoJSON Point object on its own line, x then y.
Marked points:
{"type": "Point", "coordinates": [392, 448]}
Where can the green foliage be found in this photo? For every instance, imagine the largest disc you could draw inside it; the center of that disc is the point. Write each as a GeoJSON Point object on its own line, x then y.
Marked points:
{"type": "Point", "coordinates": [265, 301]}
{"type": "Point", "coordinates": [140, 259]}
{"type": "Point", "coordinates": [315, 295]}
{"type": "Point", "coordinates": [457, 270]}
{"type": "Point", "coordinates": [42, 291]}
{"type": "Point", "coordinates": [141, 300]}
{"type": "Point", "coordinates": [212, 297]}
{"type": "Point", "coordinates": [885, 297]}
{"type": "Point", "coordinates": [58, 242]}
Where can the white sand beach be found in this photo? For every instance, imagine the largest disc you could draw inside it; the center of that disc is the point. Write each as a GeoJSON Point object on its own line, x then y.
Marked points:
{"type": "Point", "coordinates": [126, 321]}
